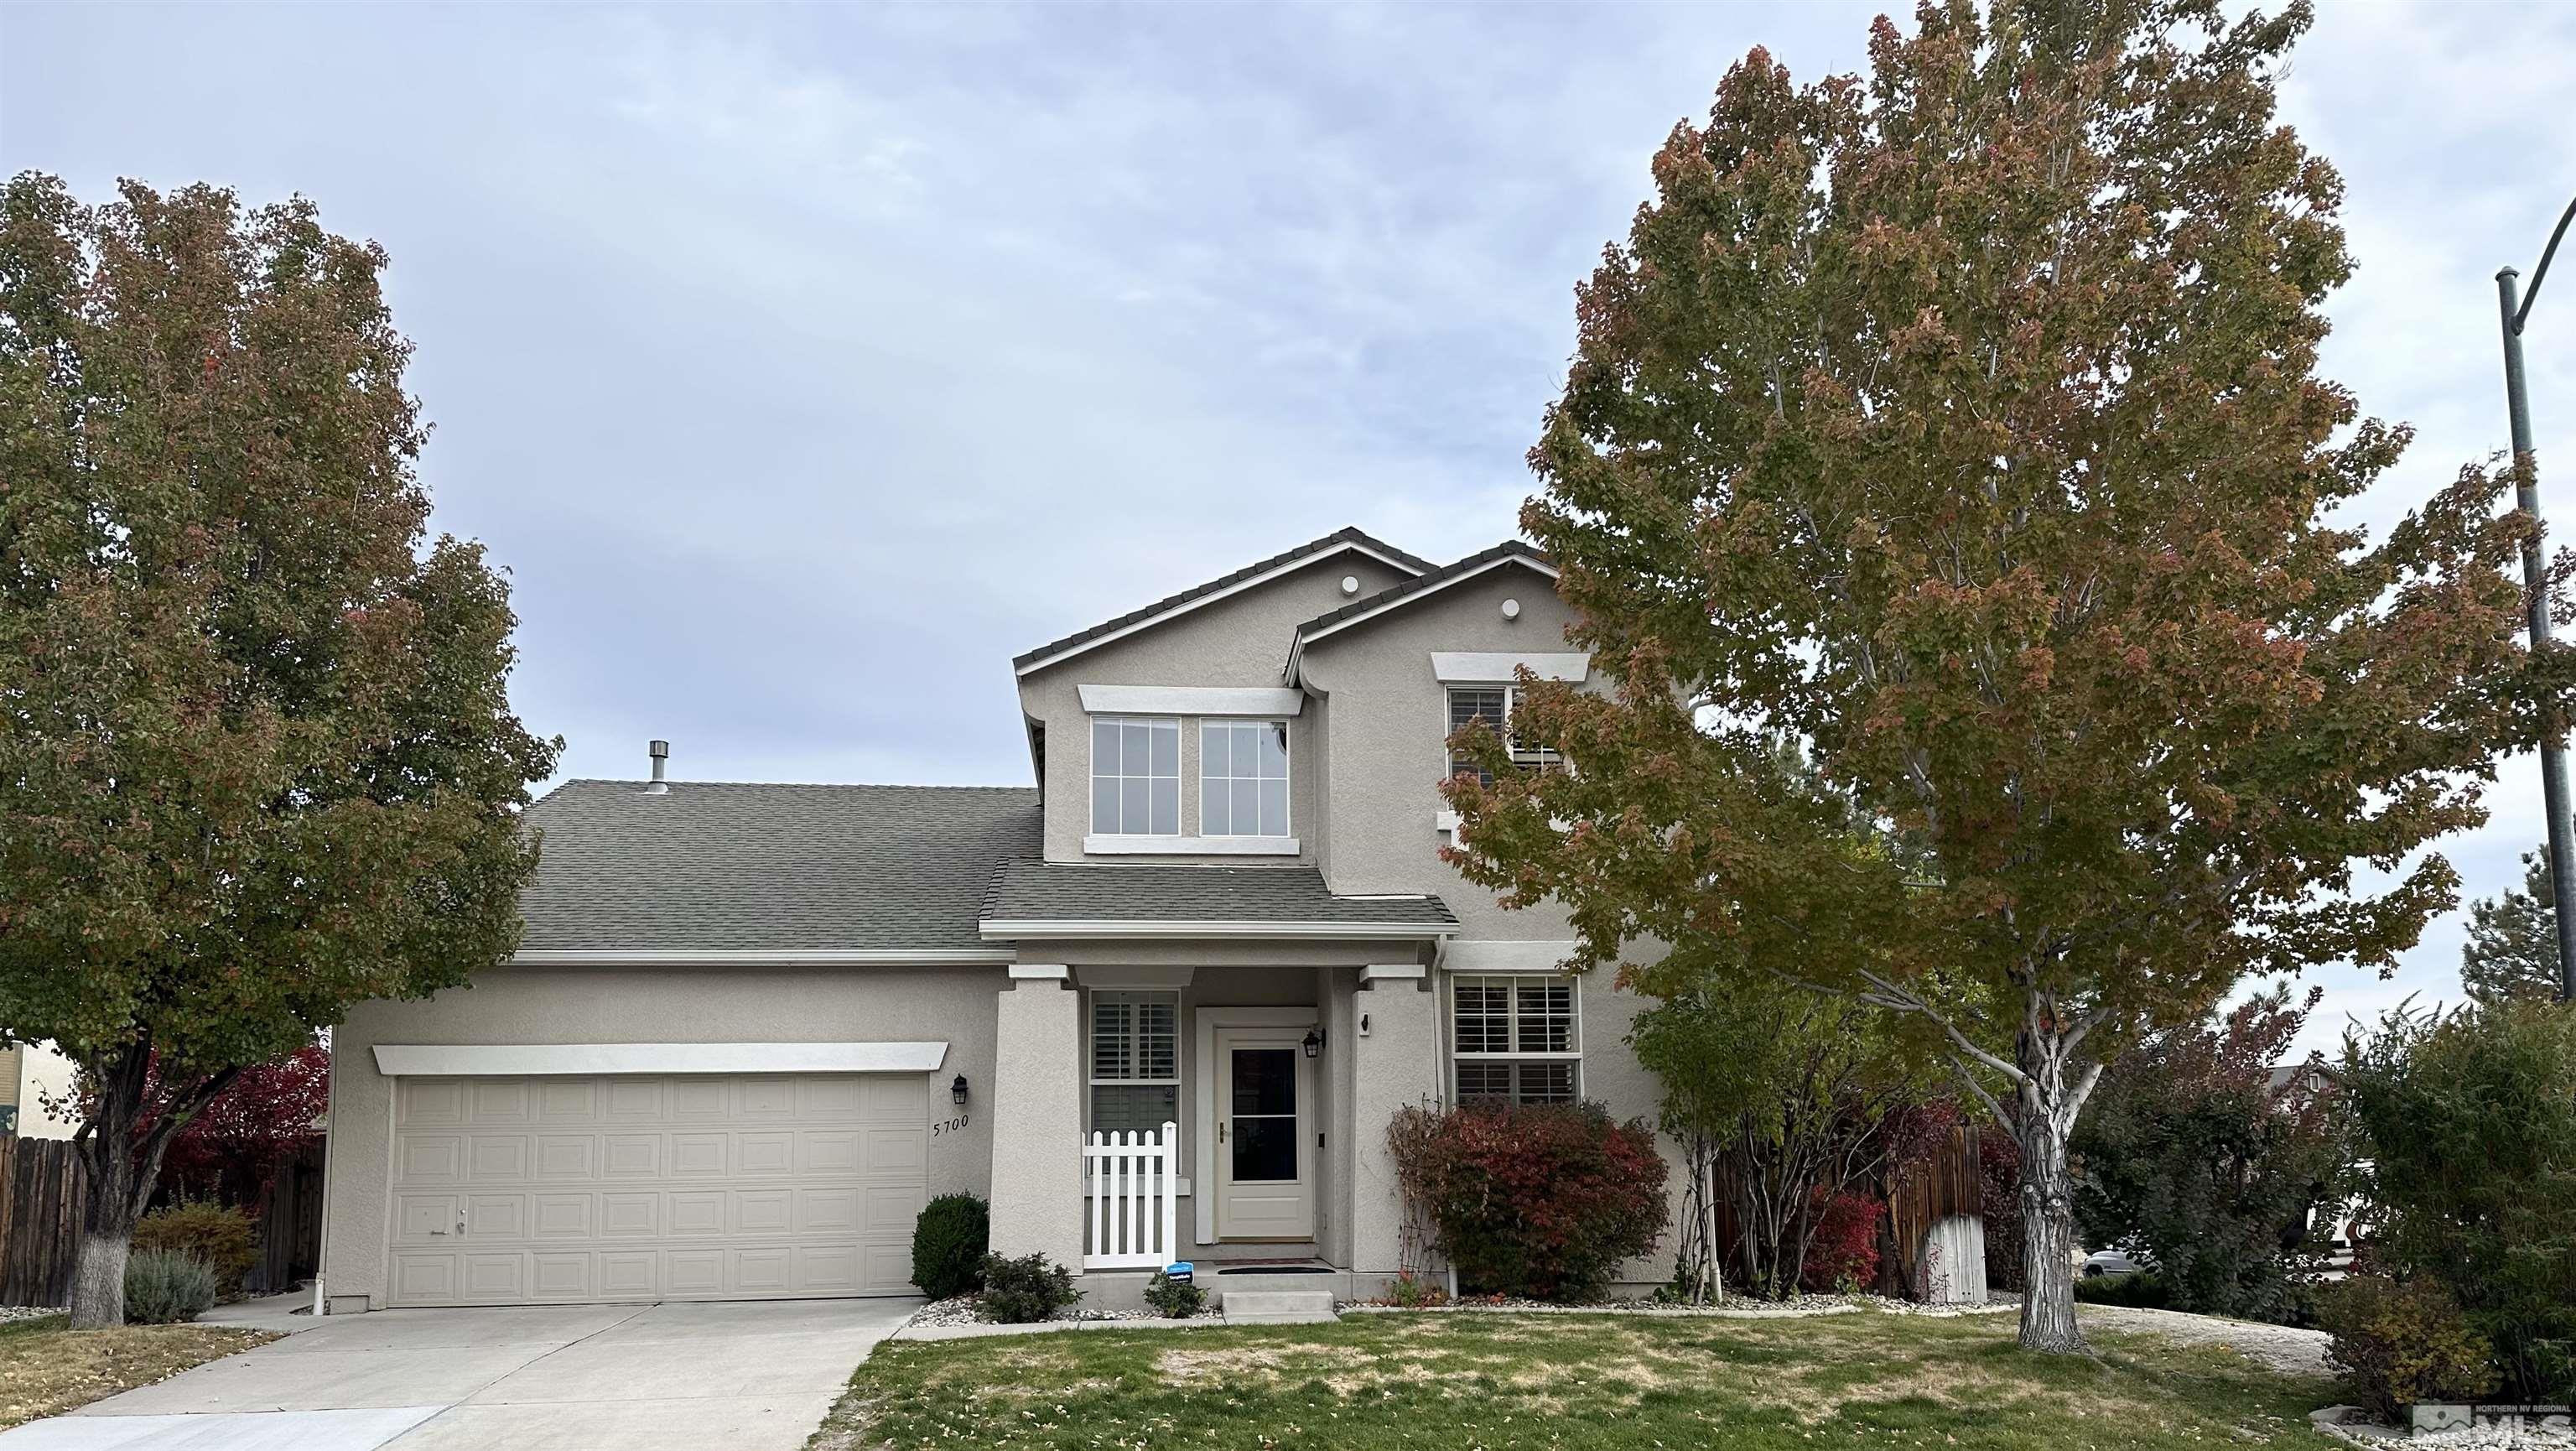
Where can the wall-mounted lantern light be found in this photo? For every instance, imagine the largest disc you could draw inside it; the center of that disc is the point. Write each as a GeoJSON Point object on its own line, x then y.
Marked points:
{"type": "Point", "coordinates": [957, 1089]}
{"type": "Point", "coordinates": [1314, 1043]}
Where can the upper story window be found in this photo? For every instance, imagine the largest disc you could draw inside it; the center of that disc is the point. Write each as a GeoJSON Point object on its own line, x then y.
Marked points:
{"type": "Point", "coordinates": [1135, 1061]}
{"type": "Point", "coordinates": [1494, 705]}
{"type": "Point", "coordinates": [1135, 776]}
{"type": "Point", "coordinates": [1243, 778]}
{"type": "Point", "coordinates": [1516, 1039]}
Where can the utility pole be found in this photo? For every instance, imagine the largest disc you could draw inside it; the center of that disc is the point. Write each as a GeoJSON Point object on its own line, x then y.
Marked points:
{"type": "Point", "coordinates": [2515, 311]}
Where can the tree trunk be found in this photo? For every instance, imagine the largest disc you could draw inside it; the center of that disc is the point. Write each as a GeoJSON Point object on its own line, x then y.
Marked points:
{"type": "Point", "coordinates": [107, 1221]}
{"type": "Point", "coordinates": [2047, 1227]}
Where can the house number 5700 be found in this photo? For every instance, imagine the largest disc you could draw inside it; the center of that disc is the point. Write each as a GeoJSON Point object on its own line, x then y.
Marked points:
{"type": "Point", "coordinates": [950, 1127]}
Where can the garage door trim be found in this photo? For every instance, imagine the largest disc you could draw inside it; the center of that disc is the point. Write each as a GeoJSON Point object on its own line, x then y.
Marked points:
{"type": "Point", "coordinates": [534, 1060]}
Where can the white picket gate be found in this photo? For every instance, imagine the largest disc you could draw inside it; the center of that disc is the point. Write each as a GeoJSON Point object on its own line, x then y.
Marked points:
{"type": "Point", "coordinates": [1134, 1218]}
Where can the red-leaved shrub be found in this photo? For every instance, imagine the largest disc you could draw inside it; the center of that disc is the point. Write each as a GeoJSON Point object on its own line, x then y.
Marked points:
{"type": "Point", "coordinates": [1842, 1253]}
{"type": "Point", "coordinates": [1542, 1200]}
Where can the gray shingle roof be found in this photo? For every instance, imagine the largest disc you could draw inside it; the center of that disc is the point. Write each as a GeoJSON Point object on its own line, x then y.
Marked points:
{"type": "Point", "coordinates": [1509, 548]}
{"type": "Point", "coordinates": [1171, 602]}
{"type": "Point", "coordinates": [1031, 890]}
{"type": "Point", "coordinates": [722, 867]}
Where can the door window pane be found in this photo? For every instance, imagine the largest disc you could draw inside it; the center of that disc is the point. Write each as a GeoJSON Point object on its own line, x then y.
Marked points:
{"type": "Point", "coordinates": [1265, 1080]}
{"type": "Point", "coordinates": [1265, 1150]}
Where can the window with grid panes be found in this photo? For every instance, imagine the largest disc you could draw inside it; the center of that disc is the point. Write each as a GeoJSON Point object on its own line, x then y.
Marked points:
{"type": "Point", "coordinates": [1516, 1039]}
{"type": "Point", "coordinates": [1135, 1061]}
{"type": "Point", "coordinates": [1495, 705]}
{"type": "Point", "coordinates": [1135, 777]}
{"type": "Point", "coordinates": [1243, 778]}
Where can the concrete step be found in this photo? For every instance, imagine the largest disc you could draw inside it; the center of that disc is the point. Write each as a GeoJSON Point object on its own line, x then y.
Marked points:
{"type": "Point", "coordinates": [1278, 1307]}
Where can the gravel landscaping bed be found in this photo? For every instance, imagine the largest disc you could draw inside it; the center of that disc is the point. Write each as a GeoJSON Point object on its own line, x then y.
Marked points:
{"type": "Point", "coordinates": [960, 1310]}
{"type": "Point", "coordinates": [9, 1313]}
{"type": "Point", "coordinates": [1734, 1309]}
{"type": "Point", "coordinates": [2290, 1351]}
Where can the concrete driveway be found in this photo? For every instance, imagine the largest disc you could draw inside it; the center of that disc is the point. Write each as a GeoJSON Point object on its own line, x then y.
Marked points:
{"type": "Point", "coordinates": [741, 1376]}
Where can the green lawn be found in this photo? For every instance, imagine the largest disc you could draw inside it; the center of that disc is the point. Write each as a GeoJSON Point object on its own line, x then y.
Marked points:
{"type": "Point", "coordinates": [1481, 1381]}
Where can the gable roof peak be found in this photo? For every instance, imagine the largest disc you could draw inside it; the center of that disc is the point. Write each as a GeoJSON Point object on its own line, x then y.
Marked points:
{"type": "Point", "coordinates": [1346, 538]}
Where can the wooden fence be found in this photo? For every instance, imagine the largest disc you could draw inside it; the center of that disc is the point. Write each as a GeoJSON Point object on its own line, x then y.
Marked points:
{"type": "Point", "coordinates": [1943, 1185]}
{"type": "Point", "coordinates": [43, 1186]}
{"type": "Point", "coordinates": [290, 1226]}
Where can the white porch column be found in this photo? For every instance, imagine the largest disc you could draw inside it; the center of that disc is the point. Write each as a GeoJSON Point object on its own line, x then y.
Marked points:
{"type": "Point", "coordinates": [1037, 1117]}
{"type": "Point", "coordinates": [1395, 1063]}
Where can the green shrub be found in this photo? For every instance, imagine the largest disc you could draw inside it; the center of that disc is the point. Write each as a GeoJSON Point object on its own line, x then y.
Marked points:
{"type": "Point", "coordinates": [226, 1238]}
{"type": "Point", "coordinates": [1541, 1200]}
{"type": "Point", "coordinates": [2188, 1152]}
{"type": "Point", "coordinates": [2470, 1122]}
{"type": "Point", "coordinates": [166, 1286]}
{"type": "Point", "coordinates": [2398, 1344]}
{"type": "Point", "coordinates": [1174, 1299]}
{"type": "Point", "coordinates": [1027, 1289]}
{"type": "Point", "coordinates": [949, 1242]}
{"type": "Point", "coordinates": [2140, 1289]}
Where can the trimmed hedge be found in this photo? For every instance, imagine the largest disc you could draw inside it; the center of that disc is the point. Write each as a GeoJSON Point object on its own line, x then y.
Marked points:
{"type": "Point", "coordinates": [949, 1242]}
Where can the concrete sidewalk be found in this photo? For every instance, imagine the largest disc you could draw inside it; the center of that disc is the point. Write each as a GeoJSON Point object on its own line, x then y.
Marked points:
{"type": "Point", "coordinates": [742, 1375]}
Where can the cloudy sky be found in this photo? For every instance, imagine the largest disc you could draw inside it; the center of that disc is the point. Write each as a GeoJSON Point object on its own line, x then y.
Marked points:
{"type": "Point", "coordinates": [804, 365]}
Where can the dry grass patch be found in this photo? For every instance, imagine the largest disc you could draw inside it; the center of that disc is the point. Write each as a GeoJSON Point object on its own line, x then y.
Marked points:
{"type": "Point", "coordinates": [46, 1370]}
{"type": "Point", "coordinates": [1496, 1381]}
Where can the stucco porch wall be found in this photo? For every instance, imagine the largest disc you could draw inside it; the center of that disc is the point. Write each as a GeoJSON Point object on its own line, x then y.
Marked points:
{"type": "Point", "coordinates": [525, 1005]}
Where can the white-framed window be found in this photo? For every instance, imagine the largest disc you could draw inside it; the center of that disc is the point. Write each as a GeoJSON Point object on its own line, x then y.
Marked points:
{"type": "Point", "coordinates": [1495, 705]}
{"type": "Point", "coordinates": [1243, 778]}
{"type": "Point", "coordinates": [1516, 1038]}
{"type": "Point", "coordinates": [1135, 776]}
{"type": "Point", "coordinates": [1135, 1061]}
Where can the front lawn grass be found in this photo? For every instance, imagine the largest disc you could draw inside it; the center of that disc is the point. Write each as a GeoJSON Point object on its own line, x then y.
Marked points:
{"type": "Point", "coordinates": [1482, 1381]}
{"type": "Point", "coordinates": [46, 1369]}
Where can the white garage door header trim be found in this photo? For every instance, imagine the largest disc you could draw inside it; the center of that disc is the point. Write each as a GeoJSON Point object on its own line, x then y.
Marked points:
{"type": "Point", "coordinates": [449, 1060]}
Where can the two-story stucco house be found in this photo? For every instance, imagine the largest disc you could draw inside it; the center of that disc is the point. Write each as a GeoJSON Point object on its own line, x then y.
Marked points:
{"type": "Point", "coordinates": [752, 1028]}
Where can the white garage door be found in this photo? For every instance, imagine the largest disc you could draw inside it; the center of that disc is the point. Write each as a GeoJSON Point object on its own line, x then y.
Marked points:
{"type": "Point", "coordinates": [633, 1187]}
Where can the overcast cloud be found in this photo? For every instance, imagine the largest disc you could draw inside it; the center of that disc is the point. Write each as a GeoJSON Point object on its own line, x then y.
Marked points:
{"type": "Point", "coordinates": [804, 365]}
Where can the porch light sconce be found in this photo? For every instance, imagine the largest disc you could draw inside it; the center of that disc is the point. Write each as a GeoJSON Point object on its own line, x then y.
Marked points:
{"type": "Point", "coordinates": [1314, 1043]}
{"type": "Point", "coordinates": [957, 1089]}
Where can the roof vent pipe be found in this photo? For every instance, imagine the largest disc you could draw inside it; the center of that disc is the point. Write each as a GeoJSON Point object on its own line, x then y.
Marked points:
{"type": "Point", "coordinates": [661, 756]}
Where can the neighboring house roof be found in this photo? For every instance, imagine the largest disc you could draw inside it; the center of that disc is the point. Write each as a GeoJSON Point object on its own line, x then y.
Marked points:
{"type": "Point", "coordinates": [1511, 553]}
{"type": "Point", "coordinates": [723, 870]}
{"type": "Point", "coordinates": [1188, 599]}
{"type": "Point", "coordinates": [1031, 898]}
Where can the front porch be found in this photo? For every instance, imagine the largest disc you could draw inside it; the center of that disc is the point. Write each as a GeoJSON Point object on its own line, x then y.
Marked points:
{"type": "Point", "coordinates": [1229, 1112]}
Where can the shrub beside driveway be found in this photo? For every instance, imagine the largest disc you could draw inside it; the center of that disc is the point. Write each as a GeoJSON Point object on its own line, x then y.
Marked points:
{"type": "Point", "coordinates": [1575, 1382]}
{"type": "Point", "coordinates": [46, 1369]}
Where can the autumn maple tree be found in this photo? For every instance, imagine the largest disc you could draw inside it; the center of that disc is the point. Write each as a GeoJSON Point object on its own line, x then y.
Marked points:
{"type": "Point", "coordinates": [260, 759]}
{"type": "Point", "coordinates": [1959, 426]}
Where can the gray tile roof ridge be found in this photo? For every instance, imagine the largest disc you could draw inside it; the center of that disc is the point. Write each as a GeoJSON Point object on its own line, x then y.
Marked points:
{"type": "Point", "coordinates": [784, 785]}
{"type": "Point", "coordinates": [1349, 534]}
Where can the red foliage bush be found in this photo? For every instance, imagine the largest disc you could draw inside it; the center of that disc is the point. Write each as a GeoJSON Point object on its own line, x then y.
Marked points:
{"type": "Point", "coordinates": [236, 1144]}
{"type": "Point", "coordinates": [1843, 1250]}
{"type": "Point", "coordinates": [1999, 1175]}
{"type": "Point", "coordinates": [1539, 1200]}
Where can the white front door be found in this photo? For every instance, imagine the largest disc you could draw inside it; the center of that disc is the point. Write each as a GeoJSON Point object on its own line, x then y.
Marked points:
{"type": "Point", "coordinates": [1265, 1179]}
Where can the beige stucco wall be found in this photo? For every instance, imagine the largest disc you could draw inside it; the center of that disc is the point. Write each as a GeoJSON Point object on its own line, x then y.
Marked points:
{"type": "Point", "coordinates": [30, 1073]}
{"type": "Point", "coordinates": [647, 1005]}
{"type": "Point", "coordinates": [1239, 641]}
{"type": "Point", "coordinates": [1388, 723]}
